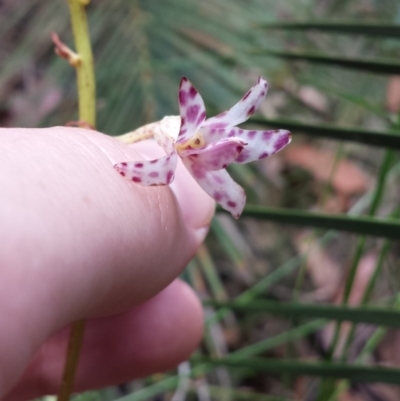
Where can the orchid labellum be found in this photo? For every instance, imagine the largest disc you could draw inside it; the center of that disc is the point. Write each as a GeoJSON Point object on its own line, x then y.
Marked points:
{"type": "Point", "coordinates": [208, 146]}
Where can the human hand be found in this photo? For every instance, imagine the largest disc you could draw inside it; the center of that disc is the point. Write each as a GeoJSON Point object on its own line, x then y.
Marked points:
{"type": "Point", "coordinates": [80, 242]}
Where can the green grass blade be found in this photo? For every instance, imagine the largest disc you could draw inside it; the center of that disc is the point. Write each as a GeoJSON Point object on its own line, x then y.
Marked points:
{"type": "Point", "coordinates": [270, 343]}
{"type": "Point", "coordinates": [388, 139]}
{"type": "Point", "coordinates": [387, 228]}
{"type": "Point", "coordinates": [354, 373]}
{"type": "Point", "coordinates": [370, 315]}
{"type": "Point", "coordinates": [209, 270]}
{"type": "Point", "coordinates": [151, 391]}
{"type": "Point", "coordinates": [381, 66]}
{"type": "Point", "coordinates": [356, 28]}
{"type": "Point", "coordinates": [260, 287]}
{"type": "Point", "coordinates": [218, 393]}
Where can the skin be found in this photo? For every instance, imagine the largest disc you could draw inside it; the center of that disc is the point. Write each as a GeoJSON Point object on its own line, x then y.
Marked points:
{"type": "Point", "coordinates": [78, 241]}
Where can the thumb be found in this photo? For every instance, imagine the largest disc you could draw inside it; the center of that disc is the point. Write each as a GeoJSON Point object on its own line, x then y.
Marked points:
{"type": "Point", "coordinates": [80, 241]}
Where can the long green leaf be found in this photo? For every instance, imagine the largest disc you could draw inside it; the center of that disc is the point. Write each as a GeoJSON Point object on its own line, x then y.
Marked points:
{"type": "Point", "coordinates": [151, 391]}
{"type": "Point", "coordinates": [371, 315]}
{"type": "Point", "coordinates": [237, 394]}
{"type": "Point", "coordinates": [391, 31]}
{"type": "Point", "coordinates": [365, 225]}
{"type": "Point", "coordinates": [354, 373]}
{"type": "Point", "coordinates": [387, 66]}
{"type": "Point", "coordinates": [388, 139]}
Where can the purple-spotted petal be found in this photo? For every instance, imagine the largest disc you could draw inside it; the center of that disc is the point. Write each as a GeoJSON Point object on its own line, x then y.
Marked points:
{"type": "Point", "coordinates": [242, 110]}
{"type": "Point", "coordinates": [150, 172]}
{"type": "Point", "coordinates": [220, 186]}
{"type": "Point", "coordinates": [218, 155]}
{"type": "Point", "coordinates": [192, 110]}
{"type": "Point", "coordinates": [261, 144]}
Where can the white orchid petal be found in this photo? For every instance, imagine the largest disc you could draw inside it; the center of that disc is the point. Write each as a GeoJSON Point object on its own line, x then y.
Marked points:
{"type": "Point", "coordinates": [261, 144]}
{"type": "Point", "coordinates": [150, 172]}
{"type": "Point", "coordinates": [216, 156]}
{"type": "Point", "coordinates": [242, 110]}
{"type": "Point", "coordinates": [220, 186]}
{"type": "Point", "coordinates": [192, 110]}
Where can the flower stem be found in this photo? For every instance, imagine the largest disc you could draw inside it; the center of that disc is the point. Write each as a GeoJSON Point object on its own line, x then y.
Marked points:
{"type": "Point", "coordinates": [71, 363]}
{"type": "Point", "coordinates": [139, 134]}
{"type": "Point", "coordinates": [85, 69]}
{"type": "Point", "coordinates": [87, 114]}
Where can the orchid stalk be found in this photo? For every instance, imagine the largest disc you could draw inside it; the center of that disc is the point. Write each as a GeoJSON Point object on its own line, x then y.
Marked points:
{"type": "Point", "coordinates": [206, 146]}
{"type": "Point", "coordinates": [82, 61]}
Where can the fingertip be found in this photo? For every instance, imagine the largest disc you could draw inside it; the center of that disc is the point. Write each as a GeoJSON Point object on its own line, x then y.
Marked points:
{"type": "Point", "coordinates": [153, 337]}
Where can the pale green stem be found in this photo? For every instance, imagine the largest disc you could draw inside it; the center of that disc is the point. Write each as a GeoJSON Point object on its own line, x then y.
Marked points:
{"type": "Point", "coordinates": [87, 113]}
{"type": "Point", "coordinates": [71, 362]}
{"type": "Point", "coordinates": [85, 69]}
{"type": "Point", "coordinates": [139, 134]}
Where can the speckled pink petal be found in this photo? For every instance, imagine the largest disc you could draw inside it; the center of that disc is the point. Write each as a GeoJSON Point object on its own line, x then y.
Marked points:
{"type": "Point", "coordinates": [260, 144]}
{"type": "Point", "coordinates": [150, 172]}
{"type": "Point", "coordinates": [218, 155]}
{"type": "Point", "coordinates": [220, 186]}
{"type": "Point", "coordinates": [192, 110]}
{"type": "Point", "coordinates": [242, 110]}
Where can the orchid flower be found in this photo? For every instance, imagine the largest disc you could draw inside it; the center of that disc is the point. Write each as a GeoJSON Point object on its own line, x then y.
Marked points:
{"type": "Point", "coordinates": [208, 146]}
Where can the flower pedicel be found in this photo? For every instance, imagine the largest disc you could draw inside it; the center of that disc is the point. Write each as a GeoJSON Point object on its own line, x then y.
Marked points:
{"type": "Point", "coordinates": [208, 146]}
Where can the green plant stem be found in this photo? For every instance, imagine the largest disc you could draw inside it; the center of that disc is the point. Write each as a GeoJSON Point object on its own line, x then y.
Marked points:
{"type": "Point", "coordinates": [378, 267]}
{"type": "Point", "coordinates": [87, 113]}
{"type": "Point", "coordinates": [71, 363]}
{"type": "Point", "coordinates": [85, 70]}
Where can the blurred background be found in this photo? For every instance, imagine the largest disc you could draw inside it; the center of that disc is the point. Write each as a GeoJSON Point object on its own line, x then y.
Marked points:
{"type": "Point", "coordinates": [273, 283]}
